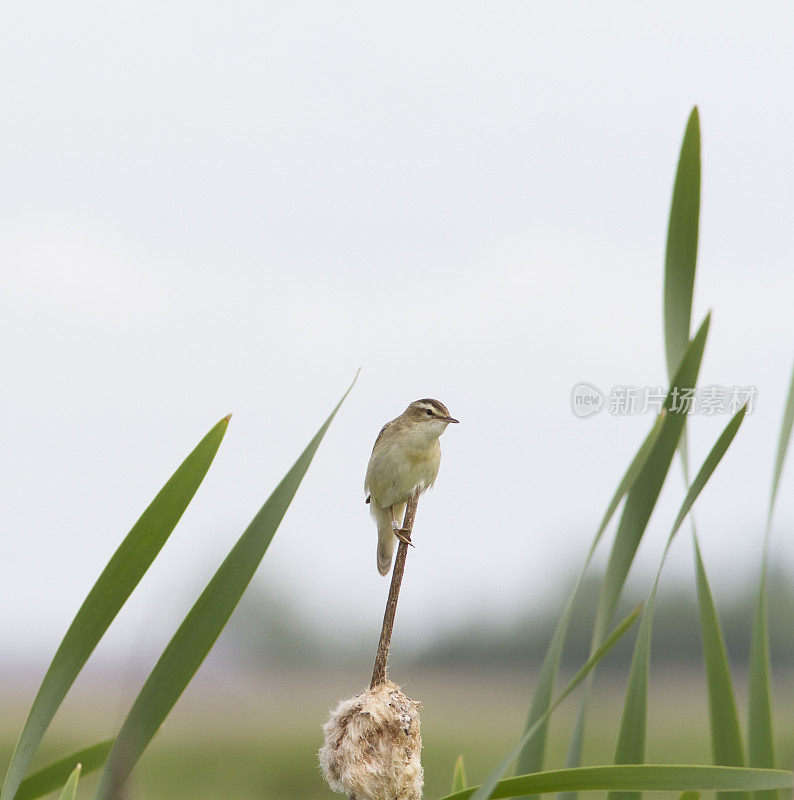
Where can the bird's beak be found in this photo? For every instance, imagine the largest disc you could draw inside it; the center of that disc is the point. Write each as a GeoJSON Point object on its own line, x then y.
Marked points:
{"type": "Point", "coordinates": [450, 419]}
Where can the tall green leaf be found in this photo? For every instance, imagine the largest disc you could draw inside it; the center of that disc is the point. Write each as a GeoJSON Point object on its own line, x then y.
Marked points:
{"type": "Point", "coordinates": [681, 256]}
{"type": "Point", "coordinates": [680, 265]}
{"type": "Point", "coordinates": [532, 756]}
{"type": "Point", "coordinates": [782, 447]}
{"type": "Point", "coordinates": [485, 791]}
{"type": "Point", "coordinates": [49, 778]}
{"type": "Point", "coordinates": [70, 790]}
{"type": "Point", "coordinates": [631, 738]}
{"type": "Point", "coordinates": [630, 748]}
{"type": "Point", "coordinates": [121, 575]}
{"type": "Point", "coordinates": [760, 729]}
{"type": "Point", "coordinates": [726, 737]}
{"type": "Point", "coordinates": [459, 782]}
{"type": "Point", "coordinates": [682, 246]}
{"type": "Point", "coordinates": [637, 511]}
{"type": "Point", "coordinates": [645, 491]}
{"type": "Point", "coordinates": [202, 626]}
{"type": "Point", "coordinates": [637, 777]}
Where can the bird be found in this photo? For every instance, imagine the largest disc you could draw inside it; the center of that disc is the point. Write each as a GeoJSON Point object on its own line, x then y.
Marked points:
{"type": "Point", "coordinates": [404, 460]}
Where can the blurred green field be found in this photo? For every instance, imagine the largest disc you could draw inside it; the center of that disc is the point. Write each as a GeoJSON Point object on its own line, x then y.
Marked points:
{"type": "Point", "coordinates": [243, 738]}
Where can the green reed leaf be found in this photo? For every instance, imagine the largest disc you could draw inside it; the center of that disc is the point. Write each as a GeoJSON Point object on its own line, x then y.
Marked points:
{"type": "Point", "coordinates": [202, 626]}
{"type": "Point", "coordinates": [760, 726]}
{"type": "Point", "coordinates": [459, 782]}
{"type": "Point", "coordinates": [726, 737]}
{"type": "Point", "coordinates": [49, 778]}
{"type": "Point", "coordinates": [484, 791]}
{"type": "Point", "coordinates": [782, 447]}
{"type": "Point", "coordinates": [637, 778]}
{"type": "Point", "coordinates": [637, 511]}
{"type": "Point", "coordinates": [681, 255]}
{"type": "Point", "coordinates": [118, 579]}
{"type": "Point", "coordinates": [70, 790]}
{"type": "Point", "coordinates": [532, 756]}
{"type": "Point", "coordinates": [682, 246]}
{"type": "Point", "coordinates": [630, 747]}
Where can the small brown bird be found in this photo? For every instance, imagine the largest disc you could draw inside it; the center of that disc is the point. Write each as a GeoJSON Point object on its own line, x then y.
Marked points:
{"type": "Point", "coordinates": [405, 458]}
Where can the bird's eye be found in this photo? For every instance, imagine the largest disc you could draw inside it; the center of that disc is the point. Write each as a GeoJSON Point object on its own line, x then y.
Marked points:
{"type": "Point", "coordinates": [429, 413]}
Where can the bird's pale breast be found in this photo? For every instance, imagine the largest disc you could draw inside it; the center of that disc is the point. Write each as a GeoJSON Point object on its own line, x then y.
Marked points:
{"type": "Point", "coordinates": [397, 468]}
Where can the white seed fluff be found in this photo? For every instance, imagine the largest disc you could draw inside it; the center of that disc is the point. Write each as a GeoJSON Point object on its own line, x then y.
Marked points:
{"type": "Point", "coordinates": [372, 748]}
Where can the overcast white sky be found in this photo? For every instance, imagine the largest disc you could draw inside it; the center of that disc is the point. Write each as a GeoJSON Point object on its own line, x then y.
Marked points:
{"type": "Point", "coordinates": [214, 208]}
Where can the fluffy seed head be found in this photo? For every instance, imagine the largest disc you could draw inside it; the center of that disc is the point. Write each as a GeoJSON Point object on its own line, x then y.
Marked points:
{"type": "Point", "coordinates": [372, 746]}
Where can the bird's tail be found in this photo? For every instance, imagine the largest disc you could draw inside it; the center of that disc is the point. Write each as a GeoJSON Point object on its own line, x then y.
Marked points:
{"type": "Point", "coordinates": [386, 537]}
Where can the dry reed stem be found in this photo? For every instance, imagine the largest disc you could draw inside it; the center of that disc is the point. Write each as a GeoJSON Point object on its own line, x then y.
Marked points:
{"type": "Point", "coordinates": [382, 655]}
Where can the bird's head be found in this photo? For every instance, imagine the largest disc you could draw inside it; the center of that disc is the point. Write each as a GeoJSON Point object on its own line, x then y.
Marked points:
{"type": "Point", "coordinates": [429, 415]}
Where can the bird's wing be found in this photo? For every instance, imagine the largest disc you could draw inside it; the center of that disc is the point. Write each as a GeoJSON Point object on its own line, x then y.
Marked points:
{"type": "Point", "coordinates": [382, 431]}
{"type": "Point", "coordinates": [367, 488]}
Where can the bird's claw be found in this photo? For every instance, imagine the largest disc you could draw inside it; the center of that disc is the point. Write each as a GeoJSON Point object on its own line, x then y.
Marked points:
{"type": "Point", "coordinates": [403, 534]}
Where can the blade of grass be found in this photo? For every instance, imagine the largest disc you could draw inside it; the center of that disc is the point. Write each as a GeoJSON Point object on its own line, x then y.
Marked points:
{"type": "Point", "coordinates": [682, 246]}
{"type": "Point", "coordinates": [782, 447]}
{"type": "Point", "coordinates": [70, 790]}
{"type": "Point", "coordinates": [459, 782]}
{"type": "Point", "coordinates": [680, 265]}
{"type": "Point", "coordinates": [630, 747]}
{"type": "Point", "coordinates": [532, 756]}
{"type": "Point", "coordinates": [682, 251]}
{"type": "Point", "coordinates": [202, 626]}
{"type": "Point", "coordinates": [118, 579]}
{"type": "Point", "coordinates": [637, 777]}
{"type": "Point", "coordinates": [484, 791]}
{"type": "Point", "coordinates": [637, 511]}
{"type": "Point", "coordinates": [760, 728]}
{"type": "Point", "coordinates": [726, 737]}
{"type": "Point", "coordinates": [49, 778]}
{"type": "Point", "coordinates": [645, 491]}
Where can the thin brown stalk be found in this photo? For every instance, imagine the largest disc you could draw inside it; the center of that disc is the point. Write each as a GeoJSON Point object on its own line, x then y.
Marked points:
{"type": "Point", "coordinates": [382, 656]}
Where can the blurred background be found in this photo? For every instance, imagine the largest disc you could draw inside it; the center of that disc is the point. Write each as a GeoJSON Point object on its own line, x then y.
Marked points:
{"type": "Point", "coordinates": [214, 208]}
